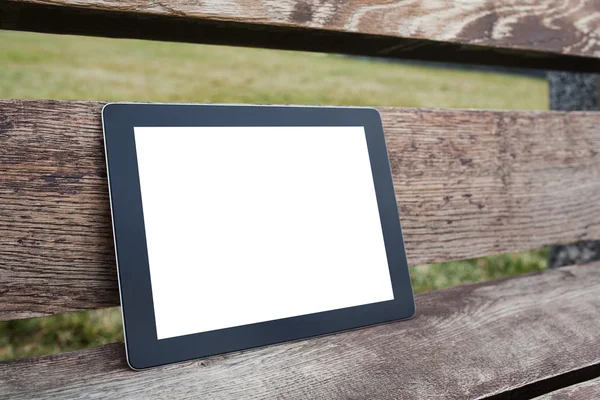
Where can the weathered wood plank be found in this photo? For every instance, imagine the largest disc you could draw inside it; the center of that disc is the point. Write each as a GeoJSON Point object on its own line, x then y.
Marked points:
{"type": "Point", "coordinates": [467, 342]}
{"type": "Point", "coordinates": [469, 183]}
{"type": "Point", "coordinates": [584, 391]}
{"type": "Point", "coordinates": [574, 92]}
{"type": "Point", "coordinates": [553, 34]}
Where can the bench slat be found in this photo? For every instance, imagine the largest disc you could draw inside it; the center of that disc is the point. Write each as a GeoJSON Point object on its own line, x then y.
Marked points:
{"type": "Point", "coordinates": [466, 342]}
{"type": "Point", "coordinates": [469, 184]}
{"type": "Point", "coordinates": [554, 34]}
{"type": "Point", "coordinates": [583, 391]}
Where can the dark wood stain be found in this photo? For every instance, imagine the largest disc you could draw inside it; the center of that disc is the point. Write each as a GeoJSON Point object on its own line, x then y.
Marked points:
{"type": "Point", "coordinates": [482, 27]}
{"type": "Point", "coordinates": [302, 12]}
{"type": "Point", "coordinates": [5, 126]}
{"type": "Point", "coordinates": [466, 161]}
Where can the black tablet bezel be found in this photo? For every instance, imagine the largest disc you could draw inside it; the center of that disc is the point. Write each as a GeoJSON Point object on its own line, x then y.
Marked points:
{"type": "Point", "coordinates": [142, 346]}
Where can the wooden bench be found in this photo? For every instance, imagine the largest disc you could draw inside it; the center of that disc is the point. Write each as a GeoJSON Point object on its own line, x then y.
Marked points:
{"type": "Point", "coordinates": [469, 183]}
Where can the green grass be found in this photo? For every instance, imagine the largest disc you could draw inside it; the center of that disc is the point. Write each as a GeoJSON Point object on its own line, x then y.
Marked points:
{"type": "Point", "coordinates": [64, 67]}
{"type": "Point", "coordinates": [30, 337]}
{"type": "Point", "coordinates": [448, 274]}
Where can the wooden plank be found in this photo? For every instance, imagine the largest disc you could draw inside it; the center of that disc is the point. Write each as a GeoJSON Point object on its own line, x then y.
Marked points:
{"type": "Point", "coordinates": [583, 391]}
{"type": "Point", "coordinates": [574, 92]}
{"type": "Point", "coordinates": [466, 342]}
{"type": "Point", "coordinates": [553, 34]}
{"type": "Point", "coordinates": [469, 184]}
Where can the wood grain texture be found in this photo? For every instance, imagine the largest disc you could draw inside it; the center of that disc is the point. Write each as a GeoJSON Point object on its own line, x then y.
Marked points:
{"type": "Point", "coordinates": [553, 34]}
{"type": "Point", "coordinates": [584, 391]}
{"type": "Point", "coordinates": [570, 27]}
{"type": "Point", "coordinates": [468, 342]}
{"type": "Point", "coordinates": [468, 183]}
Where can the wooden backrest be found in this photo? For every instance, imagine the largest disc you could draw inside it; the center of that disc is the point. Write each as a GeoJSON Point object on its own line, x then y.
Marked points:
{"type": "Point", "coordinates": [554, 34]}
{"type": "Point", "coordinates": [469, 183]}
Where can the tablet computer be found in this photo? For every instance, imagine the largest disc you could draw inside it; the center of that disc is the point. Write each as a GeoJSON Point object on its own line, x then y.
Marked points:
{"type": "Point", "coordinates": [242, 226]}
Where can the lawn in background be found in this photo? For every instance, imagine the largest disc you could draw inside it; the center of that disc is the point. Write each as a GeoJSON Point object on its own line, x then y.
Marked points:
{"type": "Point", "coordinates": [35, 66]}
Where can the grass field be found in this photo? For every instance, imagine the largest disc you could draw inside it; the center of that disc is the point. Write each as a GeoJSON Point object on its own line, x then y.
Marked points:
{"type": "Point", "coordinates": [64, 67]}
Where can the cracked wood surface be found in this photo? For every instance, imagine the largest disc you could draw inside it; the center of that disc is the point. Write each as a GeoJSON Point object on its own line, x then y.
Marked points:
{"type": "Point", "coordinates": [506, 32]}
{"type": "Point", "coordinates": [472, 341]}
{"type": "Point", "coordinates": [468, 184]}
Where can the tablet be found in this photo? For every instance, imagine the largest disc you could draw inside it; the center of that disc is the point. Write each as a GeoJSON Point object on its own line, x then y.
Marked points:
{"type": "Point", "coordinates": [243, 226]}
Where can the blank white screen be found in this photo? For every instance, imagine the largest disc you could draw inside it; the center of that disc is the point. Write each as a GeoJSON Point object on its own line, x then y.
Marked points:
{"type": "Point", "coordinates": [252, 224]}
